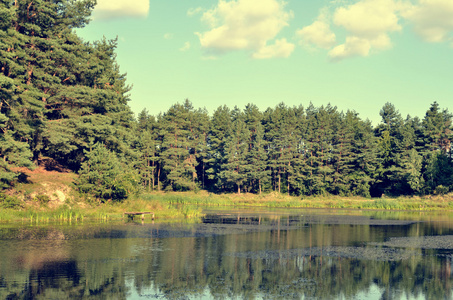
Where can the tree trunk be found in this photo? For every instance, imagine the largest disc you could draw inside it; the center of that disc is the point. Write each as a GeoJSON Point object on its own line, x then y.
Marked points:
{"type": "Point", "coordinates": [158, 178]}
{"type": "Point", "coordinates": [289, 165]}
{"type": "Point", "coordinates": [148, 174]}
{"type": "Point", "coordinates": [288, 186]}
{"type": "Point", "coordinates": [203, 174]}
{"type": "Point", "coordinates": [259, 184]}
{"type": "Point", "coordinates": [153, 177]}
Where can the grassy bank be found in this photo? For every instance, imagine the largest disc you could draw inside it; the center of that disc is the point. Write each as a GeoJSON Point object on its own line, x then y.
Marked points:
{"type": "Point", "coordinates": [444, 202]}
{"type": "Point", "coordinates": [187, 205]}
{"type": "Point", "coordinates": [37, 213]}
{"type": "Point", "coordinates": [50, 196]}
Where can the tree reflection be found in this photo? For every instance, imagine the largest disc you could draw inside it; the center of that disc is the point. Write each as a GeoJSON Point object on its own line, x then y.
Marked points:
{"type": "Point", "coordinates": [322, 261]}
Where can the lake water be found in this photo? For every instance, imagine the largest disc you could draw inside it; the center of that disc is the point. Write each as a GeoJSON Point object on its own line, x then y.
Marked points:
{"type": "Point", "coordinates": [234, 254]}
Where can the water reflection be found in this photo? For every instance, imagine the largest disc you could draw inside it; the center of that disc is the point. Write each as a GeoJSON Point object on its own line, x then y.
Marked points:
{"type": "Point", "coordinates": [233, 255]}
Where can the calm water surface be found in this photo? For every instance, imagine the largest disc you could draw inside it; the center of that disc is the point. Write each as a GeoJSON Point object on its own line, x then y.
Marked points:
{"type": "Point", "coordinates": [235, 254]}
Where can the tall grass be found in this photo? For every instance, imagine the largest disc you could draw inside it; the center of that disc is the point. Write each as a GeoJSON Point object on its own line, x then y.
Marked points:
{"type": "Point", "coordinates": [274, 200]}
{"type": "Point", "coordinates": [383, 204]}
{"type": "Point", "coordinates": [187, 205]}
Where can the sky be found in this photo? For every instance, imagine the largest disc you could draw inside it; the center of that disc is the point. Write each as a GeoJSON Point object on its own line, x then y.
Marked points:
{"type": "Point", "coordinates": [352, 54]}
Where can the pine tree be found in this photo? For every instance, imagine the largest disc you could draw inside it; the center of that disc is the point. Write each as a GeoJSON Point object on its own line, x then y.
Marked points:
{"type": "Point", "coordinates": [175, 148]}
{"type": "Point", "coordinates": [200, 126]}
{"type": "Point", "coordinates": [439, 173]}
{"type": "Point", "coordinates": [408, 176]}
{"type": "Point", "coordinates": [363, 161]}
{"type": "Point", "coordinates": [183, 132]}
{"type": "Point", "coordinates": [325, 136]}
{"type": "Point", "coordinates": [146, 146]}
{"type": "Point", "coordinates": [297, 163]}
{"type": "Point", "coordinates": [342, 153]}
{"type": "Point", "coordinates": [389, 170]}
{"type": "Point", "coordinates": [219, 132]}
{"type": "Point", "coordinates": [91, 107]}
{"type": "Point", "coordinates": [437, 129]}
{"type": "Point", "coordinates": [13, 154]}
{"type": "Point", "coordinates": [236, 150]}
{"type": "Point", "coordinates": [282, 136]}
{"type": "Point", "coordinates": [35, 58]}
{"type": "Point", "coordinates": [310, 166]}
{"type": "Point", "coordinates": [65, 92]}
{"type": "Point", "coordinates": [257, 172]}
{"type": "Point", "coordinates": [437, 133]}
{"type": "Point", "coordinates": [28, 31]}
{"type": "Point", "coordinates": [319, 137]}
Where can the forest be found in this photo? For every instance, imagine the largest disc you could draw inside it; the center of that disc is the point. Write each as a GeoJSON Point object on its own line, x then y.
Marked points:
{"type": "Point", "coordinates": [64, 105]}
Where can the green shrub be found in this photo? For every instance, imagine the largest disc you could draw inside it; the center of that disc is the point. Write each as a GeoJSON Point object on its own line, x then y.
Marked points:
{"type": "Point", "coordinates": [441, 190]}
{"type": "Point", "coordinates": [105, 177]}
{"type": "Point", "coordinates": [9, 202]}
{"type": "Point", "coordinates": [43, 199]}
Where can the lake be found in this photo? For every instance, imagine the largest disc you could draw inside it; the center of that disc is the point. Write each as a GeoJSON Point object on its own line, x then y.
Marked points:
{"type": "Point", "coordinates": [234, 254]}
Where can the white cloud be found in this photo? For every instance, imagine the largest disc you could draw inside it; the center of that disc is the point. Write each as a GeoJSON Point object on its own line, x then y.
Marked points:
{"type": "Point", "coordinates": [193, 11]}
{"type": "Point", "coordinates": [110, 9]}
{"type": "Point", "coordinates": [353, 46]}
{"type": "Point", "coordinates": [281, 48]}
{"type": "Point", "coordinates": [368, 23]}
{"type": "Point", "coordinates": [318, 34]}
{"type": "Point", "coordinates": [244, 25]}
{"type": "Point", "coordinates": [368, 18]}
{"type": "Point", "coordinates": [185, 47]}
{"type": "Point", "coordinates": [168, 36]}
{"type": "Point", "coordinates": [432, 19]}
{"type": "Point", "coordinates": [335, 2]}
{"type": "Point", "coordinates": [356, 46]}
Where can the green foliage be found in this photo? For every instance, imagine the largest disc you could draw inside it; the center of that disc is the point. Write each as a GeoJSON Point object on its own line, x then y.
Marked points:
{"type": "Point", "coordinates": [42, 199]}
{"type": "Point", "coordinates": [183, 132]}
{"type": "Point", "coordinates": [439, 172]}
{"type": "Point", "coordinates": [9, 202]}
{"type": "Point", "coordinates": [60, 96]}
{"type": "Point", "coordinates": [283, 141]}
{"type": "Point", "coordinates": [412, 165]}
{"type": "Point", "coordinates": [441, 190]}
{"type": "Point", "coordinates": [59, 93]}
{"type": "Point", "coordinates": [147, 146]}
{"type": "Point", "coordinates": [104, 176]}
{"type": "Point", "coordinates": [312, 151]}
{"type": "Point", "coordinates": [437, 129]}
{"type": "Point", "coordinates": [13, 153]}
{"type": "Point", "coordinates": [257, 173]}
{"type": "Point", "coordinates": [219, 131]}
{"type": "Point", "coordinates": [236, 151]}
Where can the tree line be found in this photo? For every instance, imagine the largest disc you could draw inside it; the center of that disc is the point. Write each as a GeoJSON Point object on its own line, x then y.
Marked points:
{"type": "Point", "coordinates": [295, 150]}
{"type": "Point", "coordinates": [64, 104]}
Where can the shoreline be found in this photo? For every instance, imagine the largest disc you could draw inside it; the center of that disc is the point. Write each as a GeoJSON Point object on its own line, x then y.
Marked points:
{"type": "Point", "coordinates": [178, 206]}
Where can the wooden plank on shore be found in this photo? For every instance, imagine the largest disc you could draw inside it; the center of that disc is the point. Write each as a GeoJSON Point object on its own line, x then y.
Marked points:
{"type": "Point", "coordinates": [131, 215]}
{"type": "Point", "coordinates": [139, 213]}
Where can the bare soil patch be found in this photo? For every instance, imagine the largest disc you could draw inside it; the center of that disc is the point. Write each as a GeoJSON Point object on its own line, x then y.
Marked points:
{"type": "Point", "coordinates": [42, 184]}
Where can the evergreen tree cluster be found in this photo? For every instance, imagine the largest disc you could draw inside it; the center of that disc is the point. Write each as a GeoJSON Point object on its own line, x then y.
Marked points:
{"type": "Point", "coordinates": [59, 95]}
{"type": "Point", "coordinates": [65, 101]}
{"type": "Point", "coordinates": [312, 151]}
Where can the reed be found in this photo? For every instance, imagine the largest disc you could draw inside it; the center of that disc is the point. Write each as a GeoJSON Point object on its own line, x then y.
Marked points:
{"type": "Point", "coordinates": [274, 200]}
